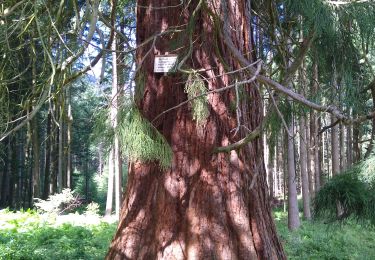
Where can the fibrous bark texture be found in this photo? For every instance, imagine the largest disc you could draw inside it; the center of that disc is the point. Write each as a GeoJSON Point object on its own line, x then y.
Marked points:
{"type": "Point", "coordinates": [206, 205]}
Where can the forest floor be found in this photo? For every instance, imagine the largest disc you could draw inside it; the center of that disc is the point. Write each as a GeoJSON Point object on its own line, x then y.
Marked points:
{"type": "Point", "coordinates": [29, 235]}
{"type": "Point", "coordinates": [318, 240]}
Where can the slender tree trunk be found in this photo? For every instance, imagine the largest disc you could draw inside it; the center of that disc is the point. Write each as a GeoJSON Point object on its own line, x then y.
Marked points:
{"type": "Point", "coordinates": [335, 144]}
{"type": "Point", "coordinates": [111, 175]}
{"type": "Point", "coordinates": [20, 170]}
{"type": "Point", "coordinates": [371, 144]}
{"type": "Point", "coordinates": [293, 214]}
{"type": "Point", "coordinates": [4, 202]}
{"type": "Point", "coordinates": [304, 173]}
{"type": "Point", "coordinates": [36, 158]}
{"type": "Point", "coordinates": [270, 171]}
{"type": "Point", "coordinates": [100, 158]}
{"type": "Point", "coordinates": [69, 140]}
{"type": "Point", "coordinates": [35, 142]}
{"type": "Point", "coordinates": [285, 171]}
{"type": "Point", "coordinates": [47, 161]}
{"type": "Point", "coordinates": [87, 175]}
{"type": "Point", "coordinates": [356, 145]}
{"type": "Point", "coordinates": [12, 168]}
{"type": "Point", "coordinates": [276, 171]}
{"type": "Point", "coordinates": [28, 162]}
{"type": "Point", "coordinates": [342, 148]}
{"type": "Point", "coordinates": [309, 157]}
{"type": "Point", "coordinates": [314, 128]}
{"type": "Point", "coordinates": [54, 155]}
{"type": "Point", "coordinates": [116, 92]}
{"type": "Point", "coordinates": [349, 146]}
{"type": "Point", "coordinates": [335, 134]}
{"type": "Point", "coordinates": [327, 155]}
{"type": "Point", "coordinates": [60, 160]}
{"type": "Point", "coordinates": [204, 206]}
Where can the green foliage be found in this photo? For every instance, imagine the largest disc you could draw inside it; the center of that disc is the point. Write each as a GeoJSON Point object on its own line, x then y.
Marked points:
{"type": "Point", "coordinates": [80, 182]}
{"type": "Point", "coordinates": [140, 140]}
{"type": "Point", "coordinates": [140, 81]}
{"type": "Point", "coordinates": [27, 235]}
{"type": "Point", "coordinates": [57, 203]}
{"type": "Point", "coordinates": [316, 14]}
{"type": "Point", "coordinates": [101, 185]}
{"type": "Point", "coordinates": [316, 240]}
{"type": "Point", "coordinates": [367, 170]}
{"type": "Point", "coordinates": [344, 196]}
{"type": "Point", "coordinates": [92, 209]}
{"type": "Point", "coordinates": [194, 87]}
{"type": "Point", "coordinates": [102, 132]}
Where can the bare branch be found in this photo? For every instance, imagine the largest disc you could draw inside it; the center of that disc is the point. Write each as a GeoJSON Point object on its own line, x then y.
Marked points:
{"type": "Point", "coordinates": [296, 96]}
{"type": "Point", "coordinates": [328, 127]}
{"type": "Point", "coordinates": [237, 145]}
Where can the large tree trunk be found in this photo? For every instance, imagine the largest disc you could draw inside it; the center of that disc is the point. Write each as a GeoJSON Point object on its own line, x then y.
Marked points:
{"type": "Point", "coordinates": [206, 205]}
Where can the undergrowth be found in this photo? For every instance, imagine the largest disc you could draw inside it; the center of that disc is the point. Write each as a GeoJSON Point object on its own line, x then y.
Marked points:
{"type": "Point", "coordinates": [317, 240]}
{"type": "Point", "coordinates": [29, 235]}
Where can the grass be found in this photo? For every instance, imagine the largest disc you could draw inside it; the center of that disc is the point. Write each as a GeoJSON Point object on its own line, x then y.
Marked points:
{"type": "Point", "coordinates": [317, 240]}
{"type": "Point", "coordinates": [29, 235]}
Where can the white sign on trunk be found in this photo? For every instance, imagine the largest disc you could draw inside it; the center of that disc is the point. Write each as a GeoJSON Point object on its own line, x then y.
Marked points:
{"type": "Point", "coordinates": [164, 63]}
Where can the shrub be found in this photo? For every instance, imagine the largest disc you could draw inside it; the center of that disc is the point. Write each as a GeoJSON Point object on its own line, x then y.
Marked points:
{"type": "Point", "coordinates": [92, 209]}
{"type": "Point", "coordinates": [345, 195]}
{"type": "Point", "coordinates": [59, 203]}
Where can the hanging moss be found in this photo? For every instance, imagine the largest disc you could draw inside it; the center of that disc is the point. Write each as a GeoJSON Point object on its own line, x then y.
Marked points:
{"type": "Point", "coordinates": [195, 87]}
{"type": "Point", "coordinates": [140, 140]}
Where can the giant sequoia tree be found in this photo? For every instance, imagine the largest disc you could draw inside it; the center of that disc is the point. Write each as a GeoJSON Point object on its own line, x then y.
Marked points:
{"type": "Point", "coordinates": [210, 203]}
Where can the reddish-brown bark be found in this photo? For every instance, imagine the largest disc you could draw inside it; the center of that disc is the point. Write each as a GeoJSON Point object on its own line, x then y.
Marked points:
{"type": "Point", "coordinates": [205, 205]}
